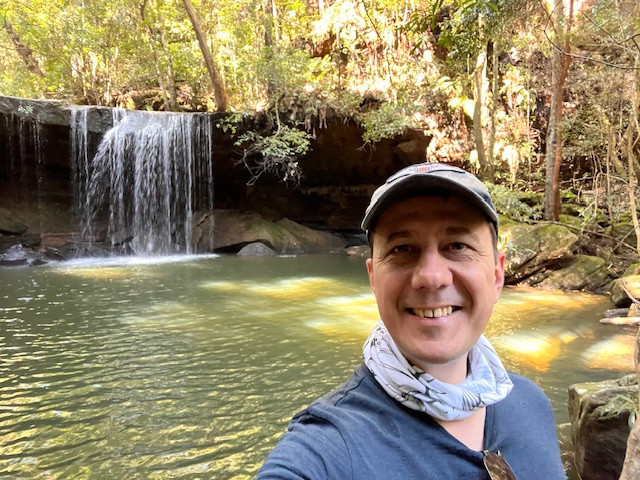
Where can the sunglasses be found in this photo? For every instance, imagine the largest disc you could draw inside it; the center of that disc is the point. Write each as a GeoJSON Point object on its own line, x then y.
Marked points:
{"type": "Point", "coordinates": [497, 467]}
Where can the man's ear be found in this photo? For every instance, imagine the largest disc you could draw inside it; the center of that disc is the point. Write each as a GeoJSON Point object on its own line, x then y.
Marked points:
{"type": "Point", "coordinates": [499, 273]}
{"type": "Point", "coordinates": [370, 273]}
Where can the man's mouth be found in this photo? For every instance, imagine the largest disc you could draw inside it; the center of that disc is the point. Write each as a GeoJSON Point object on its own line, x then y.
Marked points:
{"type": "Point", "coordinates": [434, 313]}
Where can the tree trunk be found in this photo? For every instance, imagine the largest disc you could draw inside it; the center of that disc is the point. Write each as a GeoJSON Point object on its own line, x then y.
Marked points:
{"type": "Point", "coordinates": [274, 19]}
{"type": "Point", "coordinates": [219, 89]}
{"type": "Point", "coordinates": [480, 93]}
{"type": "Point", "coordinates": [171, 78]}
{"type": "Point", "coordinates": [631, 466]}
{"type": "Point", "coordinates": [633, 135]}
{"type": "Point", "coordinates": [494, 107]}
{"type": "Point", "coordinates": [560, 69]}
{"type": "Point", "coordinates": [26, 54]}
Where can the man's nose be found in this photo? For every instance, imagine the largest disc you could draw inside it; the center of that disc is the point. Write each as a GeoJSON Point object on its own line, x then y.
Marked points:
{"type": "Point", "coordinates": [431, 272]}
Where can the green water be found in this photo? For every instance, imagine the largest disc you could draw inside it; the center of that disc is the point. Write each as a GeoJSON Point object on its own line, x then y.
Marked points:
{"type": "Point", "coordinates": [192, 369]}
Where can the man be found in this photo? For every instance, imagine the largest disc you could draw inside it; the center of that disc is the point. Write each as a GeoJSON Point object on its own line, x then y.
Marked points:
{"type": "Point", "coordinates": [432, 399]}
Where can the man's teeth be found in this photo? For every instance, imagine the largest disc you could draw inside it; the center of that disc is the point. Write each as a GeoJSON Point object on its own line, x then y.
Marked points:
{"type": "Point", "coordinates": [438, 312]}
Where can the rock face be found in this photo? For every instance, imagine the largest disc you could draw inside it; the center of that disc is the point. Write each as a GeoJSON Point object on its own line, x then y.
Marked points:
{"type": "Point", "coordinates": [532, 249]}
{"type": "Point", "coordinates": [10, 224]}
{"type": "Point", "coordinates": [577, 272]}
{"type": "Point", "coordinates": [599, 413]}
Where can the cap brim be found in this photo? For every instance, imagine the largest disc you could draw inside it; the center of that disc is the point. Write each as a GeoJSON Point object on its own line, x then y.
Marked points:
{"type": "Point", "coordinates": [421, 185]}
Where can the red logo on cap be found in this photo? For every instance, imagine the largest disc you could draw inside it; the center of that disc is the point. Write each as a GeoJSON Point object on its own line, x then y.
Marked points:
{"type": "Point", "coordinates": [425, 167]}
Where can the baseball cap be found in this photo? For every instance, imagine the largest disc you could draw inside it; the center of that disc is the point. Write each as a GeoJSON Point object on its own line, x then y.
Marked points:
{"type": "Point", "coordinates": [424, 179]}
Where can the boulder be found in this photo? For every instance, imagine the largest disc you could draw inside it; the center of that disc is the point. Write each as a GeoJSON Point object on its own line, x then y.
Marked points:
{"type": "Point", "coordinates": [530, 249]}
{"type": "Point", "coordinates": [312, 240]}
{"type": "Point", "coordinates": [232, 230]}
{"type": "Point", "coordinates": [599, 413]}
{"type": "Point", "coordinates": [619, 296]}
{"type": "Point", "coordinates": [11, 224]}
{"type": "Point", "coordinates": [256, 249]}
{"type": "Point", "coordinates": [633, 269]}
{"type": "Point", "coordinates": [362, 251]}
{"type": "Point", "coordinates": [580, 272]}
{"type": "Point", "coordinates": [18, 255]}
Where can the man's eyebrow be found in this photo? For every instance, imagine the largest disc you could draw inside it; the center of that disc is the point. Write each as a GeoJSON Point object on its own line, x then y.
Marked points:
{"type": "Point", "coordinates": [461, 230]}
{"type": "Point", "coordinates": [398, 235]}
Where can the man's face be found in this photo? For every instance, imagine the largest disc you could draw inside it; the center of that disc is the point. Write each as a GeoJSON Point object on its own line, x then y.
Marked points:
{"type": "Point", "coordinates": [435, 277]}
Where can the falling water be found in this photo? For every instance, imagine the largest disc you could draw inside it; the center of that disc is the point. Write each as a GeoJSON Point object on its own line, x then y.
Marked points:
{"type": "Point", "coordinates": [26, 158]}
{"type": "Point", "coordinates": [150, 172]}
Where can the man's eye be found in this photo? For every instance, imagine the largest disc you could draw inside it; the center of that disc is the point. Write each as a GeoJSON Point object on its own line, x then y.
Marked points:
{"type": "Point", "coordinates": [458, 246]}
{"type": "Point", "coordinates": [401, 249]}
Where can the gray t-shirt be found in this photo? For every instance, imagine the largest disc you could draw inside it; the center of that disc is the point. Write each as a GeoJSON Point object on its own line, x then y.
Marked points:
{"type": "Point", "coordinates": [359, 432]}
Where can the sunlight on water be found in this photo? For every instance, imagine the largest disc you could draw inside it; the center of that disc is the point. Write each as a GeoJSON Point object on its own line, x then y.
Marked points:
{"type": "Point", "coordinates": [534, 351]}
{"type": "Point", "coordinates": [614, 353]}
{"type": "Point", "coordinates": [300, 289]}
{"type": "Point", "coordinates": [132, 260]}
{"type": "Point", "coordinates": [137, 368]}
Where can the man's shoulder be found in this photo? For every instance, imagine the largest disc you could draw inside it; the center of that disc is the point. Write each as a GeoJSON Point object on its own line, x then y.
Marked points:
{"type": "Point", "coordinates": [523, 385]}
{"type": "Point", "coordinates": [526, 394]}
{"type": "Point", "coordinates": [356, 394]}
{"type": "Point", "coordinates": [321, 437]}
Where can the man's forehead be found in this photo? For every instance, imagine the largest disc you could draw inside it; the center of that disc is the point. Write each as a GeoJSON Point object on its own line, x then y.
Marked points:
{"type": "Point", "coordinates": [440, 205]}
{"type": "Point", "coordinates": [450, 230]}
{"type": "Point", "coordinates": [455, 213]}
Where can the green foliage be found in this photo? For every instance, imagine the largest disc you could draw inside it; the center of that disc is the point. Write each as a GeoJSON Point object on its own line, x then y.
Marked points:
{"type": "Point", "coordinates": [414, 58]}
{"type": "Point", "coordinates": [507, 203]}
{"type": "Point", "coordinates": [619, 405]}
{"type": "Point", "coordinates": [384, 122]}
{"type": "Point", "coordinates": [462, 26]}
{"type": "Point", "coordinates": [229, 124]}
{"type": "Point", "coordinates": [585, 130]}
{"type": "Point", "coordinates": [276, 154]}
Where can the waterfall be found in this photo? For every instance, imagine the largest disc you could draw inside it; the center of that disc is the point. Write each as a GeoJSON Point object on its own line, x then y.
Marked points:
{"type": "Point", "coordinates": [26, 159]}
{"type": "Point", "coordinates": [149, 174]}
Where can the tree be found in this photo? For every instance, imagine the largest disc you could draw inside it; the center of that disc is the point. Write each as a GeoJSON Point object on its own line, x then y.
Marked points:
{"type": "Point", "coordinates": [169, 93]}
{"type": "Point", "coordinates": [562, 17]}
{"type": "Point", "coordinates": [24, 51]}
{"type": "Point", "coordinates": [220, 91]}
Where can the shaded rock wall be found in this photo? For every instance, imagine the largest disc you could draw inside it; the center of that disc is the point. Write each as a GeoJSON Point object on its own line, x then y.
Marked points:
{"type": "Point", "coordinates": [339, 173]}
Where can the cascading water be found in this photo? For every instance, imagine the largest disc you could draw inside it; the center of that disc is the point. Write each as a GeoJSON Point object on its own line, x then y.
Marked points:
{"type": "Point", "coordinates": [150, 172]}
{"type": "Point", "coordinates": [26, 159]}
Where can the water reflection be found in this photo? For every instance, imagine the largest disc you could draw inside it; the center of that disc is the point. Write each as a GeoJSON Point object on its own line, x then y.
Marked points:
{"type": "Point", "coordinates": [164, 370]}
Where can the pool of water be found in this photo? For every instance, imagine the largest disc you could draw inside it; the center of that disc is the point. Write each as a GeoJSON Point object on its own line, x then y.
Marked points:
{"type": "Point", "coordinates": [192, 367]}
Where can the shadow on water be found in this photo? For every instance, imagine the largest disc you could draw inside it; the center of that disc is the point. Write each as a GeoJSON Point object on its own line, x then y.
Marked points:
{"type": "Point", "coordinates": [164, 369]}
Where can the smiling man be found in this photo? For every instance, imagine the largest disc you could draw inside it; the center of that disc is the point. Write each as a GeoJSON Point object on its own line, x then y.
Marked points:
{"type": "Point", "coordinates": [432, 399]}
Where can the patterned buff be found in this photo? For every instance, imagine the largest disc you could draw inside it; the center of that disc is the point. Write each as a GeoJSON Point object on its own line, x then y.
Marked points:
{"type": "Point", "coordinates": [487, 381]}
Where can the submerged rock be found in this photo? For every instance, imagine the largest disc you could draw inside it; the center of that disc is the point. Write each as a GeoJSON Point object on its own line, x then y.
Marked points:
{"type": "Point", "coordinates": [599, 413]}
{"type": "Point", "coordinates": [18, 255]}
